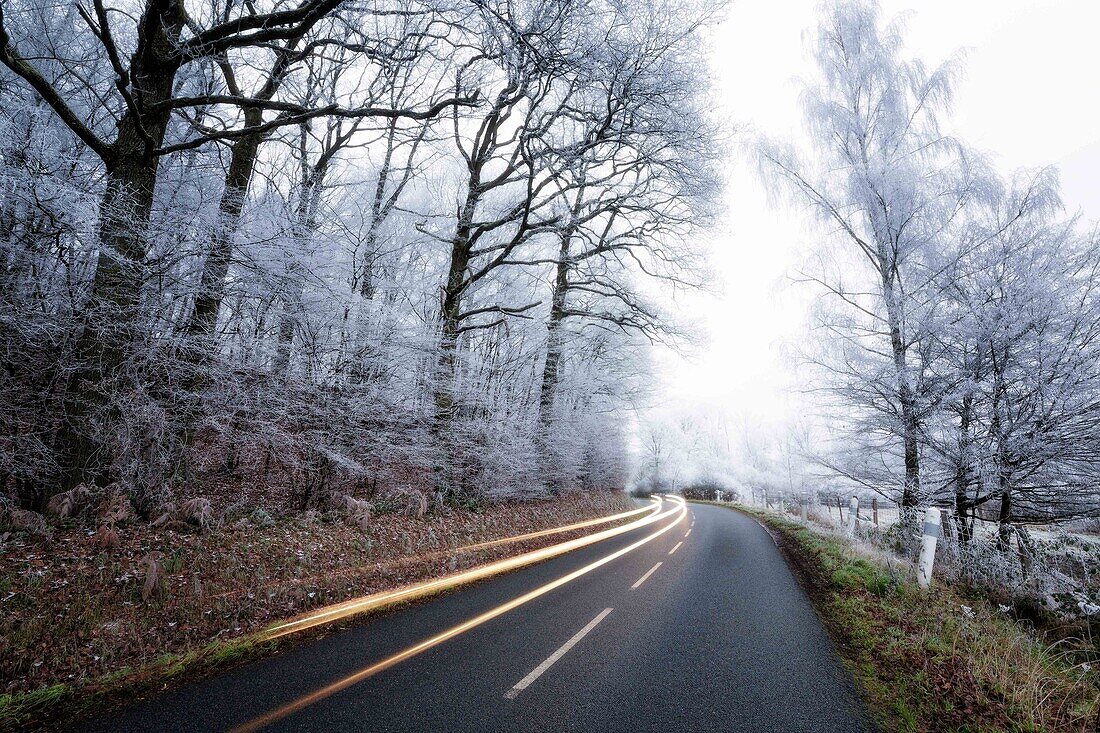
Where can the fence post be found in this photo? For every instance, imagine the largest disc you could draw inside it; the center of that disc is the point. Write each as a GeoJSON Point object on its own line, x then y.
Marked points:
{"type": "Point", "coordinates": [874, 508]}
{"type": "Point", "coordinates": [928, 546]}
{"type": "Point", "coordinates": [839, 509]}
{"type": "Point", "coordinates": [853, 516]}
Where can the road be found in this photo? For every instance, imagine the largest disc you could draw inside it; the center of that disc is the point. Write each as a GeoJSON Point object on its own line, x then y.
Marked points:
{"type": "Point", "coordinates": [691, 623]}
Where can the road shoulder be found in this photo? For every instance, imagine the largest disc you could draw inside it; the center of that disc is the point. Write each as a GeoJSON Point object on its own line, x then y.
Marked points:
{"type": "Point", "coordinates": [945, 660]}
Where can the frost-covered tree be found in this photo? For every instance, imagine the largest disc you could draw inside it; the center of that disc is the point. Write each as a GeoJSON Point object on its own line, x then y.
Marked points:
{"type": "Point", "coordinates": [313, 247]}
{"type": "Point", "coordinates": [957, 324]}
{"type": "Point", "coordinates": [1013, 354]}
{"type": "Point", "coordinates": [887, 182]}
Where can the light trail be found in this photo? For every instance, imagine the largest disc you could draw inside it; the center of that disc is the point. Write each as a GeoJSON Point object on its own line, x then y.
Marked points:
{"type": "Point", "coordinates": [549, 532]}
{"type": "Point", "coordinates": [437, 554]}
{"type": "Point", "coordinates": [366, 603]}
{"type": "Point", "coordinates": [305, 701]}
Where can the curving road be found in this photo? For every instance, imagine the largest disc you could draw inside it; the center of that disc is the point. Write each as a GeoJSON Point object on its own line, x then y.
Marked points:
{"type": "Point", "coordinates": [689, 623]}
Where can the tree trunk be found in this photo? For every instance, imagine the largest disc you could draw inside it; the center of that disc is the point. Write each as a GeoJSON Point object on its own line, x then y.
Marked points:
{"type": "Point", "coordinates": [1004, 516]}
{"type": "Point", "coordinates": [996, 427]}
{"type": "Point", "coordinates": [305, 227]}
{"type": "Point", "coordinates": [552, 365]}
{"type": "Point", "coordinates": [1025, 550]}
{"type": "Point", "coordinates": [378, 212]}
{"type": "Point", "coordinates": [910, 424]}
{"type": "Point", "coordinates": [203, 322]}
{"type": "Point", "coordinates": [450, 312]}
{"type": "Point", "coordinates": [451, 309]}
{"type": "Point", "coordinates": [962, 473]}
{"type": "Point", "coordinates": [242, 163]}
{"type": "Point", "coordinates": [110, 318]}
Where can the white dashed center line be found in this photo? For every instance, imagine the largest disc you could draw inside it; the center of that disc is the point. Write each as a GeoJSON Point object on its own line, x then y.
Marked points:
{"type": "Point", "coordinates": [643, 578]}
{"type": "Point", "coordinates": [674, 549]}
{"type": "Point", "coordinates": [688, 534]}
{"type": "Point", "coordinates": [537, 672]}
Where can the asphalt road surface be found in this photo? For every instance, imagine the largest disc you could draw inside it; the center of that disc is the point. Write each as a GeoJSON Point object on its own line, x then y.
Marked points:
{"type": "Point", "coordinates": [697, 624]}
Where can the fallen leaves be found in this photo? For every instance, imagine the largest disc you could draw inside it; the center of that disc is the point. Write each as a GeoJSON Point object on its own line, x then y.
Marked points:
{"type": "Point", "coordinates": [105, 538]}
{"type": "Point", "coordinates": [69, 503]}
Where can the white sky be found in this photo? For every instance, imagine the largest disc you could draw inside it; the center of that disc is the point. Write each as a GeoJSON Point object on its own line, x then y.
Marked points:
{"type": "Point", "coordinates": [1029, 96]}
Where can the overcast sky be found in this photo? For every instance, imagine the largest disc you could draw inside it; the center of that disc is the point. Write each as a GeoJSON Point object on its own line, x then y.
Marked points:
{"type": "Point", "coordinates": [1029, 96]}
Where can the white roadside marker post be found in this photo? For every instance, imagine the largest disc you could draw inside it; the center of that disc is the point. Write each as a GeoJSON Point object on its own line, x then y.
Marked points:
{"type": "Point", "coordinates": [853, 515]}
{"type": "Point", "coordinates": [804, 510]}
{"type": "Point", "coordinates": [928, 546]}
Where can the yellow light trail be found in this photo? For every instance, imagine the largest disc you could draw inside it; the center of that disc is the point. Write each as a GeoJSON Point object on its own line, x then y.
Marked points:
{"type": "Point", "coordinates": [555, 530]}
{"type": "Point", "coordinates": [363, 604]}
{"type": "Point", "coordinates": [352, 679]}
{"type": "Point", "coordinates": [463, 550]}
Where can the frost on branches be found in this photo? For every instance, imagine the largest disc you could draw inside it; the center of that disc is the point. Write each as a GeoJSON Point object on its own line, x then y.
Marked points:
{"type": "Point", "coordinates": [336, 247]}
{"type": "Point", "coordinates": [959, 310]}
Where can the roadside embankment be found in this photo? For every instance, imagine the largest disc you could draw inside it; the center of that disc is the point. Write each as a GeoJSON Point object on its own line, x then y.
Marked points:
{"type": "Point", "coordinates": [83, 622]}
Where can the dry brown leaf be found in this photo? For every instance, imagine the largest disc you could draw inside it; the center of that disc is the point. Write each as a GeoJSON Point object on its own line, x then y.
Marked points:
{"type": "Point", "coordinates": [105, 538]}
{"type": "Point", "coordinates": [69, 503]}
{"type": "Point", "coordinates": [154, 577]}
{"type": "Point", "coordinates": [198, 512]}
{"type": "Point", "coordinates": [116, 509]}
{"type": "Point", "coordinates": [31, 522]}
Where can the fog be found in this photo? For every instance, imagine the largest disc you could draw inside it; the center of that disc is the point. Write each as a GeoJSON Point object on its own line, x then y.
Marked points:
{"type": "Point", "coordinates": [1021, 99]}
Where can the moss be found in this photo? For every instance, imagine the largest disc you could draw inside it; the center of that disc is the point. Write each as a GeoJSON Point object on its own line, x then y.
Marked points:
{"type": "Point", "coordinates": [18, 709]}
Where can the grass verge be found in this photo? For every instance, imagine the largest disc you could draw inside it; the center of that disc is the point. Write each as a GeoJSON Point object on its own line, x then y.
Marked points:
{"type": "Point", "coordinates": [939, 660]}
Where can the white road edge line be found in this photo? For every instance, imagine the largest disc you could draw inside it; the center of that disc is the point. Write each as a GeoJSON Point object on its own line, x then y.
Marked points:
{"type": "Point", "coordinates": [674, 549]}
{"type": "Point", "coordinates": [537, 672]}
{"type": "Point", "coordinates": [643, 578]}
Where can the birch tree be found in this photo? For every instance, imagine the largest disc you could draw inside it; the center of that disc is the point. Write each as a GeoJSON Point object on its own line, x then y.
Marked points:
{"type": "Point", "coordinates": [883, 176]}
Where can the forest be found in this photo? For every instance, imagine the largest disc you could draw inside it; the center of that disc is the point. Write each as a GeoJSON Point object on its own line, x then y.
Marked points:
{"type": "Point", "coordinates": [959, 318]}
{"type": "Point", "coordinates": [316, 248]}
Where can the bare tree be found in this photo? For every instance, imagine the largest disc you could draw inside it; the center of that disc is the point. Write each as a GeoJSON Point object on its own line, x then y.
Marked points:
{"type": "Point", "coordinates": [331, 246]}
